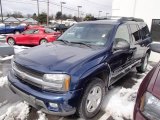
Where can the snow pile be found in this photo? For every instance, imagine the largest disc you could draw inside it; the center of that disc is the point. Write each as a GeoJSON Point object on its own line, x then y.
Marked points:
{"type": "Point", "coordinates": [119, 102]}
{"type": "Point", "coordinates": [3, 81]}
{"type": "Point", "coordinates": [2, 37]}
{"type": "Point", "coordinates": [154, 57]}
{"type": "Point", "coordinates": [6, 58]}
{"type": "Point", "coordinates": [42, 116]}
{"type": "Point", "coordinates": [18, 49]}
{"type": "Point", "coordinates": [19, 111]}
{"type": "Point", "coordinates": [3, 103]}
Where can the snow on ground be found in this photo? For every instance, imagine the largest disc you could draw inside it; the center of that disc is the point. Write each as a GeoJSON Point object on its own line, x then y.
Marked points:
{"type": "Point", "coordinates": [118, 103]}
{"type": "Point", "coordinates": [154, 57]}
{"type": "Point", "coordinates": [2, 37]}
{"type": "Point", "coordinates": [6, 58]}
{"type": "Point", "coordinates": [18, 49]}
{"type": "Point", "coordinates": [3, 81]}
{"type": "Point", "coordinates": [17, 110]}
{"type": "Point", "coordinates": [42, 116]}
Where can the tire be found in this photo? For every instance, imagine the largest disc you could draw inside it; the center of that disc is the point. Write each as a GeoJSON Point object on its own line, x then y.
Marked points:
{"type": "Point", "coordinates": [43, 41]}
{"type": "Point", "coordinates": [94, 93]}
{"type": "Point", "coordinates": [11, 41]}
{"type": "Point", "coordinates": [16, 32]}
{"type": "Point", "coordinates": [144, 64]}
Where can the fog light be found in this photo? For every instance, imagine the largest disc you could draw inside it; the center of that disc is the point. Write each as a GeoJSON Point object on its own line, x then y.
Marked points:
{"type": "Point", "coordinates": [53, 105]}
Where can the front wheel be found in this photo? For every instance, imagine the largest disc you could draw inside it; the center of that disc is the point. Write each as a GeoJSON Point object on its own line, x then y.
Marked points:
{"type": "Point", "coordinates": [11, 41]}
{"type": "Point", "coordinates": [91, 101]}
{"type": "Point", "coordinates": [144, 64]}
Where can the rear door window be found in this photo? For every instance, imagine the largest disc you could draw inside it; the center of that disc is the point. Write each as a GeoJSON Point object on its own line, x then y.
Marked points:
{"type": "Point", "coordinates": [135, 32]}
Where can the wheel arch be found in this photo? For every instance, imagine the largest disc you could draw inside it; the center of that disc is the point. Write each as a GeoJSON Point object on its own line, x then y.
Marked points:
{"type": "Point", "coordinates": [42, 39]}
{"type": "Point", "coordinates": [101, 71]}
{"type": "Point", "coordinates": [12, 38]}
{"type": "Point", "coordinates": [148, 51]}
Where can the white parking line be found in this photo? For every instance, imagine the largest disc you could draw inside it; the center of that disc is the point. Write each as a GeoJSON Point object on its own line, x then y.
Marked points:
{"type": "Point", "coordinates": [105, 116]}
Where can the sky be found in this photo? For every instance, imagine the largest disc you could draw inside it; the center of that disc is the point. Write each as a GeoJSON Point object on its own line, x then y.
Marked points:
{"type": "Point", "coordinates": [30, 6]}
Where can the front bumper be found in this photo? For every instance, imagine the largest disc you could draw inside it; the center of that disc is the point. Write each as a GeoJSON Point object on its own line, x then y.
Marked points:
{"type": "Point", "coordinates": [66, 102]}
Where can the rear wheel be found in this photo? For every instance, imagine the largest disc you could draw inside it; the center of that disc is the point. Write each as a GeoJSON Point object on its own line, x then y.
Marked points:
{"type": "Point", "coordinates": [143, 67]}
{"type": "Point", "coordinates": [91, 101]}
{"type": "Point", "coordinates": [43, 41]}
{"type": "Point", "coordinates": [11, 41]}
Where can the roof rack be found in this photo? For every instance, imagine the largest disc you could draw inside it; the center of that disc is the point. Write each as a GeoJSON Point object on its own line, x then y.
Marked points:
{"type": "Point", "coordinates": [121, 19]}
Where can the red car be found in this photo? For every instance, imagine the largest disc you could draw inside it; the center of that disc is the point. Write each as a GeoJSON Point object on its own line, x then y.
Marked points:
{"type": "Point", "coordinates": [147, 105]}
{"type": "Point", "coordinates": [34, 36]}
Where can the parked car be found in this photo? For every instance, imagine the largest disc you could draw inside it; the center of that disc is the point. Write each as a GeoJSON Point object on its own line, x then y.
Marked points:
{"type": "Point", "coordinates": [147, 105]}
{"type": "Point", "coordinates": [69, 22]}
{"type": "Point", "coordinates": [73, 74]}
{"type": "Point", "coordinates": [35, 36]}
{"type": "Point", "coordinates": [59, 27]}
{"type": "Point", "coordinates": [7, 29]}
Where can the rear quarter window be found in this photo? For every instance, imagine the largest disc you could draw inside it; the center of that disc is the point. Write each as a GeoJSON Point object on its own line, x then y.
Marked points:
{"type": "Point", "coordinates": [47, 30]}
{"type": "Point", "coordinates": [135, 32]}
{"type": "Point", "coordinates": [144, 31]}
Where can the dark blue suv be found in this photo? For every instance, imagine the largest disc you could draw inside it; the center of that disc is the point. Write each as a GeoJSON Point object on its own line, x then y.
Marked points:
{"type": "Point", "coordinates": [73, 74]}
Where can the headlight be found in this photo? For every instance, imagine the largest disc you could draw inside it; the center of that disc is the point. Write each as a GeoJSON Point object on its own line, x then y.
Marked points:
{"type": "Point", "coordinates": [59, 82]}
{"type": "Point", "coordinates": [150, 106]}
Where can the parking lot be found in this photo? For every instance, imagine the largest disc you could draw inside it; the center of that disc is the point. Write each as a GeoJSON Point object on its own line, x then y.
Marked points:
{"type": "Point", "coordinates": [118, 103]}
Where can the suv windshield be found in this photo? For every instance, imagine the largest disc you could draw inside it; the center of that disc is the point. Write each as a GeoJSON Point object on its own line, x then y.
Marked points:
{"type": "Point", "coordinates": [92, 34]}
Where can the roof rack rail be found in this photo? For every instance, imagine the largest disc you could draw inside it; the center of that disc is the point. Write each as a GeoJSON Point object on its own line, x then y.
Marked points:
{"type": "Point", "coordinates": [131, 19]}
{"type": "Point", "coordinates": [121, 19]}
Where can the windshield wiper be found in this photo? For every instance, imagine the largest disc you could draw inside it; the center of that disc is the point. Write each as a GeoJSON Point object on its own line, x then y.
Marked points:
{"type": "Point", "coordinates": [81, 43]}
{"type": "Point", "coordinates": [65, 41]}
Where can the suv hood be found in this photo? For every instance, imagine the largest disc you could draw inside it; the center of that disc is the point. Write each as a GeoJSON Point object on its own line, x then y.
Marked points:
{"type": "Point", "coordinates": [56, 57]}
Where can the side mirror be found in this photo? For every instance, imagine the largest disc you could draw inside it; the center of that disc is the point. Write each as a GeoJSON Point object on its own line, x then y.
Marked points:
{"type": "Point", "coordinates": [155, 47]}
{"type": "Point", "coordinates": [121, 44]}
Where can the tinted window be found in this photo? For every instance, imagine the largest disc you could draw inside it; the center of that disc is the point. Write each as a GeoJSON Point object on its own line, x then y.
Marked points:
{"type": "Point", "coordinates": [36, 32]}
{"type": "Point", "coordinates": [144, 31]}
{"type": "Point", "coordinates": [122, 33]}
{"type": "Point", "coordinates": [31, 31]}
{"type": "Point", "coordinates": [47, 30]}
{"type": "Point", "coordinates": [135, 32]}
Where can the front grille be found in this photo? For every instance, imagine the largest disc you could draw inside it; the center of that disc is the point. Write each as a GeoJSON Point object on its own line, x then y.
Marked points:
{"type": "Point", "coordinates": [19, 70]}
{"type": "Point", "coordinates": [29, 71]}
